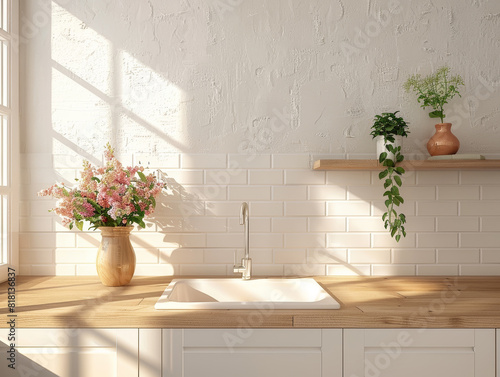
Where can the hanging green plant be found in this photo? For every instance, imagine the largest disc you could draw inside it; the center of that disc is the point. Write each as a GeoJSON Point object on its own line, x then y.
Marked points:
{"type": "Point", "coordinates": [387, 126]}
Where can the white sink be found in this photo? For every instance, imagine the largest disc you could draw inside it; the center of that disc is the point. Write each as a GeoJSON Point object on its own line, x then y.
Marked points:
{"type": "Point", "coordinates": [303, 293]}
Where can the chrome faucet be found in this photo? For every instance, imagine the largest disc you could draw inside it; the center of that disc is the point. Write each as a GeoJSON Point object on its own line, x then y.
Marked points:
{"type": "Point", "coordinates": [245, 269]}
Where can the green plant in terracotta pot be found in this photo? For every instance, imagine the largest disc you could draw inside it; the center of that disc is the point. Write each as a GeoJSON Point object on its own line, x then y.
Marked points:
{"type": "Point", "coordinates": [389, 128]}
{"type": "Point", "coordinates": [434, 91]}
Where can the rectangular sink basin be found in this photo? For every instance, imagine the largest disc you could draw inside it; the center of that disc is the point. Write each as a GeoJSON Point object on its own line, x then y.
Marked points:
{"type": "Point", "coordinates": [303, 293]}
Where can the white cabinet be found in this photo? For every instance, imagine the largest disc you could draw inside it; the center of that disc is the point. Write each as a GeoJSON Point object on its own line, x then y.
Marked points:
{"type": "Point", "coordinates": [419, 352]}
{"type": "Point", "coordinates": [73, 353]}
{"type": "Point", "coordinates": [252, 352]}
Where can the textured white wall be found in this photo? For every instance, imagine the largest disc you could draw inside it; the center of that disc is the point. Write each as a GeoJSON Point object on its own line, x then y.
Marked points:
{"type": "Point", "coordinates": [166, 81]}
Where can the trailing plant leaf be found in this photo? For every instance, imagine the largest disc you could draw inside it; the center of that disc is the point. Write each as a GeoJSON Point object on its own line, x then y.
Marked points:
{"type": "Point", "coordinates": [392, 181]}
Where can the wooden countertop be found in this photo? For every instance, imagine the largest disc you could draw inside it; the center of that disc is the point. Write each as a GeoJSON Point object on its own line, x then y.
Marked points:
{"type": "Point", "coordinates": [366, 302]}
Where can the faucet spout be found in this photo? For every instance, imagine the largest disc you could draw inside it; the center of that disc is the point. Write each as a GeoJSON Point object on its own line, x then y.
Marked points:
{"type": "Point", "coordinates": [246, 262]}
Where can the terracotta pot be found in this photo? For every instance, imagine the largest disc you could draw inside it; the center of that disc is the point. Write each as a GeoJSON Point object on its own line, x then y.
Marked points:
{"type": "Point", "coordinates": [115, 257]}
{"type": "Point", "coordinates": [443, 142]}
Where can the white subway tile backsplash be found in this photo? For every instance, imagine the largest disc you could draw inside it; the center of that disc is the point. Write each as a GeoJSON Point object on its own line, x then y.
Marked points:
{"type": "Point", "coordinates": [490, 255]}
{"type": "Point", "coordinates": [249, 161]}
{"type": "Point", "coordinates": [220, 256]}
{"type": "Point", "coordinates": [328, 192]}
{"type": "Point", "coordinates": [480, 208]}
{"type": "Point", "coordinates": [348, 270]}
{"type": "Point", "coordinates": [327, 224]}
{"type": "Point", "coordinates": [413, 256]}
{"type": "Point", "coordinates": [437, 177]}
{"type": "Point", "coordinates": [471, 177]}
{"type": "Point", "coordinates": [223, 177]}
{"type": "Point", "coordinates": [265, 177]}
{"type": "Point", "coordinates": [266, 240]}
{"type": "Point", "coordinates": [418, 193]}
{"type": "Point", "coordinates": [480, 269]}
{"type": "Point", "coordinates": [185, 177]}
{"type": "Point", "coordinates": [230, 240]}
{"type": "Point", "coordinates": [385, 240]}
{"type": "Point", "coordinates": [284, 256]}
{"type": "Point", "coordinates": [351, 208]}
{"type": "Point", "coordinates": [290, 193]}
{"type": "Point", "coordinates": [302, 222]}
{"type": "Point", "coordinates": [457, 224]}
{"type": "Point", "coordinates": [267, 270]}
{"type": "Point", "coordinates": [437, 208]}
{"type": "Point", "coordinates": [305, 209]}
{"type": "Point", "coordinates": [203, 161]}
{"type": "Point", "coordinates": [266, 209]}
{"type": "Point", "coordinates": [445, 256]}
{"type": "Point", "coordinates": [249, 193]}
{"type": "Point", "coordinates": [426, 240]}
{"type": "Point", "coordinates": [307, 240]}
{"type": "Point", "coordinates": [304, 270]}
{"type": "Point", "coordinates": [489, 193]}
{"type": "Point", "coordinates": [291, 161]}
{"type": "Point", "coordinates": [304, 177]}
{"type": "Point", "coordinates": [289, 224]}
{"type": "Point", "coordinates": [348, 240]}
{"type": "Point", "coordinates": [365, 224]}
{"type": "Point", "coordinates": [369, 256]}
{"type": "Point", "coordinates": [480, 240]}
{"type": "Point", "coordinates": [326, 256]}
{"type": "Point", "coordinates": [433, 270]}
{"type": "Point", "coordinates": [204, 224]}
{"type": "Point", "coordinates": [365, 193]}
{"type": "Point", "coordinates": [458, 192]}
{"type": "Point", "coordinates": [257, 225]}
{"type": "Point", "coordinates": [348, 178]}
{"type": "Point", "coordinates": [180, 255]}
{"type": "Point", "coordinates": [393, 270]}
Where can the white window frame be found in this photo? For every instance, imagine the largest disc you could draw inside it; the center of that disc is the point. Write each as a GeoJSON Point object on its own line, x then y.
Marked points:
{"type": "Point", "coordinates": [10, 255]}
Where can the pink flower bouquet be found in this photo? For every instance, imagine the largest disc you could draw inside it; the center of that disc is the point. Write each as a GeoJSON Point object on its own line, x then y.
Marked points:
{"type": "Point", "coordinates": [106, 196]}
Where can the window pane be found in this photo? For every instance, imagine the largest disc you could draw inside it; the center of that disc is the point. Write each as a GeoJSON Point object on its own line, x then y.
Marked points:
{"type": "Point", "coordinates": [3, 228]}
{"type": "Point", "coordinates": [4, 19]}
{"type": "Point", "coordinates": [4, 151]}
{"type": "Point", "coordinates": [5, 73]}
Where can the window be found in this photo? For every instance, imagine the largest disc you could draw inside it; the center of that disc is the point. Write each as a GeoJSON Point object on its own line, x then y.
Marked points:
{"type": "Point", "coordinates": [9, 134]}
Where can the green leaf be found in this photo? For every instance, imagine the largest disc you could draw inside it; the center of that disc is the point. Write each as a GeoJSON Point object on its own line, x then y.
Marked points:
{"type": "Point", "coordinates": [401, 200]}
{"type": "Point", "coordinates": [393, 231]}
{"type": "Point", "coordinates": [388, 162]}
{"type": "Point", "coordinates": [400, 170]}
{"type": "Point", "coordinates": [142, 176]}
{"type": "Point", "coordinates": [388, 203]}
{"type": "Point", "coordinates": [383, 174]}
{"type": "Point", "coordinates": [70, 226]}
{"type": "Point", "coordinates": [387, 193]}
{"type": "Point", "coordinates": [141, 224]}
{"type": "Point", "coordinates": [395, 190]}
{"type": "Point", "coordinates": [384, 216]}
{"type": "Point", "coordinates": [436, 114]}
{"type": "Point", "coordinates": [79, 225]}
{"type": "Point", "coordinates": [382, 157]}
{"type": "Point", "coordinates": [96, 179]}
{"type": "Point", "coordinates": [387, 183]}
{"type": "Point", "coordinates": [398, 237]}
{"type": "Point", "coordinates": [397, 178]}
{"type": "Point", "coordinates": [395, 201]}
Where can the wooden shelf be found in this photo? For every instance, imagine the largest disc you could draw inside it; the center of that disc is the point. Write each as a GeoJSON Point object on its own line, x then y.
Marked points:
{"type": "Point", "coordinates": [409, 165]}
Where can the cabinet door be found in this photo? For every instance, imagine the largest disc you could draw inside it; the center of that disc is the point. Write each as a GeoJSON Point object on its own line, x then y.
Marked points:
{"type": "Point", "coordinates": [252, 352]}
{"type": "Point", "coordinates": [73, 353]}
{"type": "Point", "coordinates": [419, 352]}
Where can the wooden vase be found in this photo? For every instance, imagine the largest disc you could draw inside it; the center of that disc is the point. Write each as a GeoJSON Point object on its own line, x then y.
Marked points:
{"type": "Point", "coordinates": [115, 257]}
{"type": "Point", "coordinates": [443, 142]}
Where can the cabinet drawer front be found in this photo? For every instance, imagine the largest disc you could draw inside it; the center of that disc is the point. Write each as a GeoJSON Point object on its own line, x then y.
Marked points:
{"type": "Point", "coordinates": [251, 363]}
{"type": "Point", "coordinates": [249, 337]}
{"type": "Point", "coordinates": [69, 337]}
